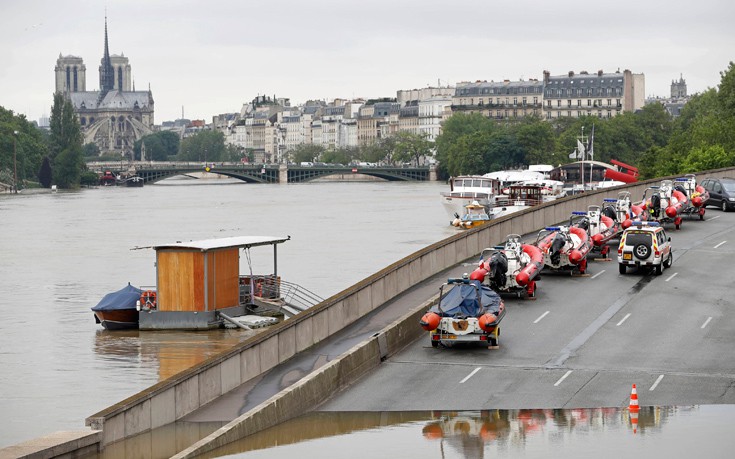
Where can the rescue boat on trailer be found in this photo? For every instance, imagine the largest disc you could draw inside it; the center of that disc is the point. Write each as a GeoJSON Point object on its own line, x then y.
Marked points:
{"type": "Point", "coordinates": [665, 203]}
{"type": "Point", "coordinates": [626, 212]}
{"type": "Point", "coordinates": [564, 248]}
{"type": "Point", "coordinates": [511, 267]}
{"type": "Point", "coordinates": [601, 225]}
{"type": "Point", "coordinates": [697, 195]}
{"type": "Point", "coordinates": [467, 312]}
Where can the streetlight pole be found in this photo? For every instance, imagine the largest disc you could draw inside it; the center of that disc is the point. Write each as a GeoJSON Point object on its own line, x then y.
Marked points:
{"type": "Point", "coordinates": [15, 163]}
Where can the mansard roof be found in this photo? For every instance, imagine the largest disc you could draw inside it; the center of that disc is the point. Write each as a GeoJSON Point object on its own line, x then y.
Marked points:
{"type": "Point", "coordinates": [499, 87]}
{"type": "Point", "coordinates": [556, 86]}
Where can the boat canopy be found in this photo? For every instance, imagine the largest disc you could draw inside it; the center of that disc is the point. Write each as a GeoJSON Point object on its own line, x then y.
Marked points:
{"type": "Point", "coordinates": [125, 298]}
{"type": "Point", "coordinates": [468, 300]}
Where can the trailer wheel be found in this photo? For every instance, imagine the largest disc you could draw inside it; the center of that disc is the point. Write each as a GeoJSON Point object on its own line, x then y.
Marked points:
{"type": "Point", "coordinates": [531, 291]}
{"type": "Point", "coordinates": [434, 344]}
{"type": "Point", "coordinates": [622, 268]}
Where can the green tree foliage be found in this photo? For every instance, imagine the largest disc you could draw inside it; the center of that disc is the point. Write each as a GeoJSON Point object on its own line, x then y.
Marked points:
{"type": "Point", "coordinates": [337, 156]}
{"type": "Point", "coordinates": [66, 141]}
{"type": "Point", "coordinates": [91, 150]}
{"type": "Point", "coordinates": [706, 158]}
{"type": "Point", "coordinates": [306, 153]}
{"type": "Point", "coordinates": [44, 173]}
{"type": "Point", "coordinates": [726, 94]}
{"type": "Point", "coordinates": [537, 139]}
{"type": "Point", "coordinates": [159, 146]}
{"type": "Point", "coordinates": [205, 146]}
{"type": "Point", "coordinates": [67, 170]}
{"type": "Point", "coordinates": [461, 146]}
{"type": "Point", "coordinates": [410, 147]}
{"type": "Point", "coordinates": [29, 144]}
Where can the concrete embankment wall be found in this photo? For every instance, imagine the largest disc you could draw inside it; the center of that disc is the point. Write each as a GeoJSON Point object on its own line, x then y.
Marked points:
{"type": "Point", "coordinates": [189, 390]}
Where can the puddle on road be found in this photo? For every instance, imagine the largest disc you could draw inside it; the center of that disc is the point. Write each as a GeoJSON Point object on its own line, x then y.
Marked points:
{"type": "Point", "coordinates": [696, 431]}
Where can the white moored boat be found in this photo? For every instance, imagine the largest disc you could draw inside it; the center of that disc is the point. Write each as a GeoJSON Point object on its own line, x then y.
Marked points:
{"type": "Point", "coordinates": [465, 189]}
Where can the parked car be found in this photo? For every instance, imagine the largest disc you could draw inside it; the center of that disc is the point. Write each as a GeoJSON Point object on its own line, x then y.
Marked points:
{"type": "Point", "coordinates": [645, 244]}
{"type": "Point", "coordinates": [721, 192]}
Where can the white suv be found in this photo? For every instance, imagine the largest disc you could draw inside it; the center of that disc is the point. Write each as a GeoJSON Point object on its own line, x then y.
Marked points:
{"type": "Point", "coordinates": [645, 244]}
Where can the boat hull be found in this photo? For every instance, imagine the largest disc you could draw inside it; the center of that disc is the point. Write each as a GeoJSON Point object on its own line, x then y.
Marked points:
{"type": "Point", "coordinates": [119, 319]}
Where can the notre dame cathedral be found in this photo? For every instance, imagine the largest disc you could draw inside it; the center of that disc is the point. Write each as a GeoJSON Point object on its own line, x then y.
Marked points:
{"type": "Point", "coordinates": [117, 115]}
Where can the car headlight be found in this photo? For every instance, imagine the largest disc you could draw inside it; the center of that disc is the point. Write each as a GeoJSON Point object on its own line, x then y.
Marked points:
{"type": "Point", "coordinates": [731, 199]}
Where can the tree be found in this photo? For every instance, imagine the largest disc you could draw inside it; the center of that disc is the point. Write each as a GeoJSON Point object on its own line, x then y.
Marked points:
{"type": "Point", "coordinates": [205, 147]}
{"type": "Point", "coordinates": [44, 174]}
{"type": "Point", "coordinates": [706, 158]}
{"type": "Point", "coordinates": [726, 94]}
{"type": "Point", "coordinates": [91, 150]}
{"type": "Point", "coordinates": [66, 140]}
{"type": "Point", "coordinates": [306, 153]}
{"type": "Point", "coordinates": [159, 146]}
{"type": "Point", "coordinates": [67, 172]}
{"type": "Point", "coordinates": [337, 156]}
{"type": "Point", "coordinates": [28, 146]}
{"type": "Point", "coordinates": [411, 147]}
{"type": "Point", "coordinates": [462, 132]}
{"type": "Point", "coordinates": [536, 138]}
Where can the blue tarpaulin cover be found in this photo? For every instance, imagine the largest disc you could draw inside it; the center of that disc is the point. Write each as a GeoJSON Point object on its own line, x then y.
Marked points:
{"type": "Point", "coordinates": [464, 301]}
{"type": "Point", "coordinates": [125, 298]}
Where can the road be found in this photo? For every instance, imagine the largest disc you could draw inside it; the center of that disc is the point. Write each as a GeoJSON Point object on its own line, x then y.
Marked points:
{"type": "Point", "coordinates": [585, 340]}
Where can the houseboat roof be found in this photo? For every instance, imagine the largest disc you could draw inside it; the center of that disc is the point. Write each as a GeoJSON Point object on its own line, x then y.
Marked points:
{"type": "Point", "coordinates": [225, 242]}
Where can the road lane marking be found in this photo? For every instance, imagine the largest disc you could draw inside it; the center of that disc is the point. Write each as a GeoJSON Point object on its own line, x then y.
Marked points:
{"type": "Point", "coordinates": [470, 375]}
{"type": "Point", "coordinates": [718, 245]}
{"type": "Point", "coordinates": [563, 378]}
{"type": "Point", "coordinates": [597, 274]}
{"type": "Point", "coordinates": [542, 316]}
{"type": "Point", "coordinates": [671, 277]}
{"type": "Point", "coordinates": [714, 218]}
{"type": "Point", "coordinates": [706, 322]}
{"type": "Point", "coordinates": [623, 320]}
{"type": "Point", "coordinates": [656, 383]}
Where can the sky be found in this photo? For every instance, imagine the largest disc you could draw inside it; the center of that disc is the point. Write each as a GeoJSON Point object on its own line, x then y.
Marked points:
{"type": "Point", "coordinates": [205, 58]}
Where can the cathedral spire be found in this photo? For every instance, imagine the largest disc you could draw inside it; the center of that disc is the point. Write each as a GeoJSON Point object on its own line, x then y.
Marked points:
{"type": "Point", "coordinates": [107, 74]}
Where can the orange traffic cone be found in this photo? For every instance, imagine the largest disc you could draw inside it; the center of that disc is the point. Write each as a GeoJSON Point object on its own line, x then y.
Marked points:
{"type": "Point", "coordinates": [634, 420]}
{"type": "Point", "coordinates": [633, 407]}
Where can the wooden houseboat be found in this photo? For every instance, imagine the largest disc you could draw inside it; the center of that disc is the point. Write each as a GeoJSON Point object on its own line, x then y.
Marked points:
{"type": "Point", "coordinates": [198, 282]}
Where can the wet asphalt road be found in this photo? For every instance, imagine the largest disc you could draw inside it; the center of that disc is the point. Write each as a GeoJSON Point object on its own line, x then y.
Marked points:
{"type": "Point", "coordinates": [586, 340]}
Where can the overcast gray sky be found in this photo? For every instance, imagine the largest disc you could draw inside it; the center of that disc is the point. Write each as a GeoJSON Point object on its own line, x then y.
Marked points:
{"type": "Point", "coordinates": [212, 56]}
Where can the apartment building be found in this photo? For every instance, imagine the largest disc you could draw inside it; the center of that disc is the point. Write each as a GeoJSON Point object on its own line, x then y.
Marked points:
{"type": "Point", "coordinates": [600, 94]}
{"type": "Point", "coordinates": [499, 100]}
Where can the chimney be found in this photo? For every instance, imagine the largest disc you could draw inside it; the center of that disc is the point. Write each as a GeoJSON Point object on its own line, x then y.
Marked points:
{"type": "Point", "coordinates": [546, 76]}
{"type": "Point", "coordinates": [571, 73]}
{"type": "Point", "coordinates": [599, 72]}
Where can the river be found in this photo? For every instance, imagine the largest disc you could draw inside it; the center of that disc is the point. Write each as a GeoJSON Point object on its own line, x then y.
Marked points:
{"type": "Point", "coordinates": [61, 252]}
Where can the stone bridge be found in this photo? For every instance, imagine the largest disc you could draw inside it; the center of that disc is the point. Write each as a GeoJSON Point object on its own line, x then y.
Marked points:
{"type": "Point", "coordinates": [266, 173]}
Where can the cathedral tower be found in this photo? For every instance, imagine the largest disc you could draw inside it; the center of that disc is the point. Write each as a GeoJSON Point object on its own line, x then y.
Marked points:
{"type": "Point", "coordinates": [70, 74]}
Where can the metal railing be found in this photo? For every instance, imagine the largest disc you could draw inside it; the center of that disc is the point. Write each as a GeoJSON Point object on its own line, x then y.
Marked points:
{"type": "Point", "coordinates": [270, 287]}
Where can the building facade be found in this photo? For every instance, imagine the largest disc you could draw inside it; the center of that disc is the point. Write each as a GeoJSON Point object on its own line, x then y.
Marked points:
{"type": "Point", "coordinates": [499, 100]}
{"type": "Point", "coordinates": [600, 94]}
{"type": "Point", "coordinates": [114, 117]}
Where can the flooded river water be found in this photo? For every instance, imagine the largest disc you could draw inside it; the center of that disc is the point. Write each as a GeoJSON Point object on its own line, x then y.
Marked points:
{"type": "Point", "coordinates": [60, 253]}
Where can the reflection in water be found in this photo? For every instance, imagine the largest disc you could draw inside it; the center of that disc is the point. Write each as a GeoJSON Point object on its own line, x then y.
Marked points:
{"type": "Point", "coordinates": [576, 433]}
{"type": "Point", "coordinates": [160, 443]}
{"type": "Point", "coordinates": [173, 351]}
